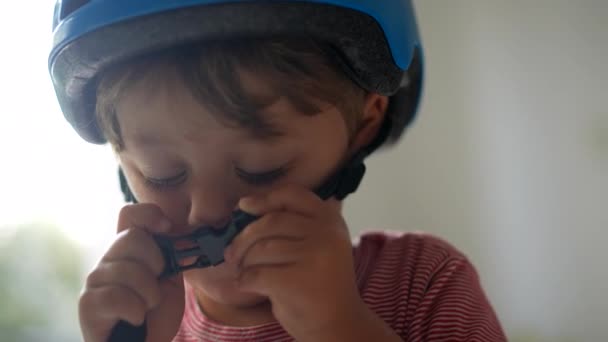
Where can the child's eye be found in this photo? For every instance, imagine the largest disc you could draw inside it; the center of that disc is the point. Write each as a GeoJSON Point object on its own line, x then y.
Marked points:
{"type": "Point", "coordinates": [165, 183]}
{"type": "Point", "coordinates": [260, 178]}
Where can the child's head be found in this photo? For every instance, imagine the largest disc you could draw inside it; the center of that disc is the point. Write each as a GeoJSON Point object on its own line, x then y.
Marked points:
{"type": "Point", "coordinates": [201, 112]}
{"type": "Point", "coordinates": [198, 127]}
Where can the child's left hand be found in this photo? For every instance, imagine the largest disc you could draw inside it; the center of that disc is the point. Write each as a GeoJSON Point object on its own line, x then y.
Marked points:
{"type": "Point", "coordinates": [299, 255]}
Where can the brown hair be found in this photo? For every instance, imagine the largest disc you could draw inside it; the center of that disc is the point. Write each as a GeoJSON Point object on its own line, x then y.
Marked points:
{"type": "Point", "coordinates": [302, 70]}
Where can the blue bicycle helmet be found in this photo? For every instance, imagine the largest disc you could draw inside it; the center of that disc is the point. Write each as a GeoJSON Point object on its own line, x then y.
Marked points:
{"type": "Point", "coordinates": [377, 40]}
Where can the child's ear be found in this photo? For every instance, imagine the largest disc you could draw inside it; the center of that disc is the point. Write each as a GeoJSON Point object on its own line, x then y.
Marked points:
{"type": "Point", "coordinates": [374, 111]}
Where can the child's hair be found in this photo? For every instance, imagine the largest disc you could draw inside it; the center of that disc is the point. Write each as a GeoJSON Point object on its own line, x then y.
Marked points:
{"type": "Point", "coordinates": [303, 70]}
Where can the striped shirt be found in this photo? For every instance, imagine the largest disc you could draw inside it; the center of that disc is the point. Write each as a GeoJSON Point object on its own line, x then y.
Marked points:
{"type": "Point", "coordinates": [421, 286]}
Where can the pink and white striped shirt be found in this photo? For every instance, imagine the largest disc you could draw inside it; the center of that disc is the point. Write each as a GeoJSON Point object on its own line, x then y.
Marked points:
{"type": "Point", "coordinates": [421, 286]}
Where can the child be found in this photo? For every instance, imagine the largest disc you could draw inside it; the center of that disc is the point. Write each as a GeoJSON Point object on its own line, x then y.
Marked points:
{"type": "Point", "coordinates": [268, 108]}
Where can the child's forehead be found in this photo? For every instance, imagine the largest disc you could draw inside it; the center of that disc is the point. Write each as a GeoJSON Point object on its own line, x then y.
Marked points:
{"type": "Point", "coordinates": [152, 119]}
{"type": "Point", "coordinates": [154, 138]}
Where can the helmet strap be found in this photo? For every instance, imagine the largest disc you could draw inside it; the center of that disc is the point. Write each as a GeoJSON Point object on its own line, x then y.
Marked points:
{"type": "Point", "coordinates": [348, 178]}
{"type": "Point", "coordinates": [124, 187]}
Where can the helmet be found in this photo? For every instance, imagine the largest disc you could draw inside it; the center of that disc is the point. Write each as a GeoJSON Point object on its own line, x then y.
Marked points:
{"type": "Point", "coordinates": [376, 40]}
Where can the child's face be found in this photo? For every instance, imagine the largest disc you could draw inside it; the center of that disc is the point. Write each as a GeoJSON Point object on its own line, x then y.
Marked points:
{"type": "Point", "coordinates": [178, 156]}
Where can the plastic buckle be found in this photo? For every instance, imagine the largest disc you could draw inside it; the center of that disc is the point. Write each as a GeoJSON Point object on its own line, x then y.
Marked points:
{"type": "Point", "coordinates": [208, 245]}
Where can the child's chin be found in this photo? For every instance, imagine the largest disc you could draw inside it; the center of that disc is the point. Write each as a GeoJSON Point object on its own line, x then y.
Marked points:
{"type": "Point", "coordinates": [246, 300]}
{"type": "Point", "coordinates": [220, 285]}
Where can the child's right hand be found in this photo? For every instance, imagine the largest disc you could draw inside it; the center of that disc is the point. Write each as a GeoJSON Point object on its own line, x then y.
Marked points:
{"type": "Point", "coordinates": [125, 285]}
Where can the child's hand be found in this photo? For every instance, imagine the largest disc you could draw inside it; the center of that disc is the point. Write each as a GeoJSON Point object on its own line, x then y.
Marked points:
{"type": "Point", "coordinates": [125, 285]}
{"type": "Point", "coordinates": [299, 255]}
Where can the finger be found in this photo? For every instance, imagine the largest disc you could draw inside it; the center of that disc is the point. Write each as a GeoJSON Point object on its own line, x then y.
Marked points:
{"type": "Point", "coordinates": [275, 225]}
{"type": "Point", "coordinates": [271, 251]}
{"type": "Point", "coordinates": [101, 308]}
{"type": "Point", "coordinates": [144, 215]}
{"type": "Point", "coordinates": [129, 274]}
{"type": "Point", "coordinates": [166, 318]}
{"type": "Point", "coordinates": [137, 245]}
{"type": "Point", "coordinates": [291, 197]}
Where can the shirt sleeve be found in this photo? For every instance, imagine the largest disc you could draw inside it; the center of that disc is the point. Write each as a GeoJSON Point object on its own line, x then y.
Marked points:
{"type": "Point", "coordinates": [454, 307]}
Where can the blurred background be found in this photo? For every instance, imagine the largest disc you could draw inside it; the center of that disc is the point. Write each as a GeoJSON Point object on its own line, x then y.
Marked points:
{"type": "Point", "coordinates": [508, 160]}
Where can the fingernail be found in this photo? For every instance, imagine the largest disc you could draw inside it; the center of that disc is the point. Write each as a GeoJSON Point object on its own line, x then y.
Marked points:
{"type": "Point", "coordinates": [227, 255]}
{"type": "Point", "coordinates": [246, 203]}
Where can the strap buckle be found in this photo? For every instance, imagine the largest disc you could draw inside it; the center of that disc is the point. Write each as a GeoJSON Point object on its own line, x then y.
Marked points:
{"type": "Point", "coordinates": [208, 245]}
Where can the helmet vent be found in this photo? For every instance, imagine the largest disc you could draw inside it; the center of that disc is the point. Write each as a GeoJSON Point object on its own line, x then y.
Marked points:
{"type": "Point", "coordinates": [69, 6]}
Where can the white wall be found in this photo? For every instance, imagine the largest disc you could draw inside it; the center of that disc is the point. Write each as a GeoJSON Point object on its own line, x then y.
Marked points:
{"type": "Point", "coordinates": [509, 158]}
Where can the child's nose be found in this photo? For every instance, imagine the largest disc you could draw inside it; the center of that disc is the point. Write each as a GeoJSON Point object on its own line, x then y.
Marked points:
{"type": "Point", "coordinates": [210, 208]}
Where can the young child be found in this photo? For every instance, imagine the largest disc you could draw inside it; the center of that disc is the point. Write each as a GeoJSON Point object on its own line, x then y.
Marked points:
{"type": "Point", "coordinates": [268, 108]}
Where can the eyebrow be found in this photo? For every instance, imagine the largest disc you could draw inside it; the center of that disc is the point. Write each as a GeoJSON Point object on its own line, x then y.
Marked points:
{"type": "Point", "coordinates": [146, 140]}
{"type": "Point", "coordinates": [265, 132]}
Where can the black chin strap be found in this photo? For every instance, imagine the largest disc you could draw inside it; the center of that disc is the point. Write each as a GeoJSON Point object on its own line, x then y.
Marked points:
{"type": "Point", "coordinates": [347, 179]}
{"type": "Point", "coordinates": [124, 187]}
{"type": "Point", "coordinates": [343, 182]}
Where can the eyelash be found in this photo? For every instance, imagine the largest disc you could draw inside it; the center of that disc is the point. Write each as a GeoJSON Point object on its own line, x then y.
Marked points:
{"type": "Point", "coordinates": [257, 179]}
{"type": "Point", "coordinates": [165, 183]}
{"type": "Point", "coordinates": [261, 178]}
